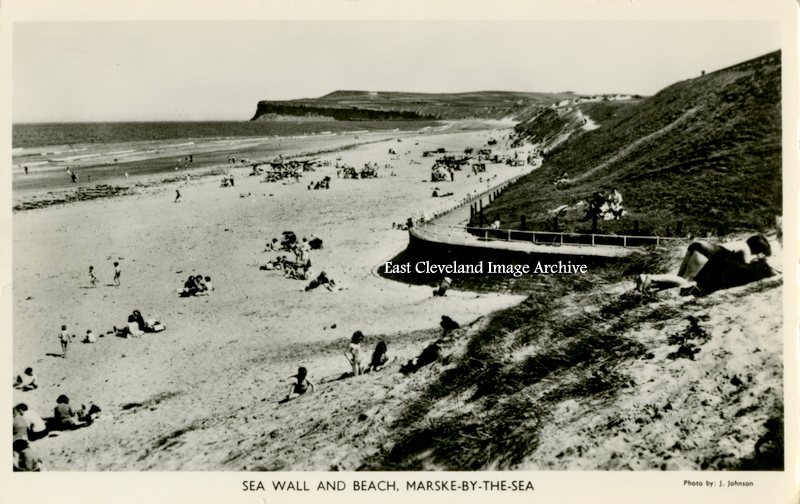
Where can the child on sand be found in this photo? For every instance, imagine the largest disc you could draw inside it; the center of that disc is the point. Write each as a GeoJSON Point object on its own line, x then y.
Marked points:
{"type": "Point", "coordinates": [26, 381]}
{"type": "Point", "coordinates": [63, 336]}
{"type": "Point", "coordinates": [380, 357]}
{"type": "Point", "coordinates": [443, 286]}
{"type": "Point", "coordinates": [353, 352]}
{"type": "Point", "coordinates": [117, 273]}
{"type": "Point", "coordinates": [90, 337]}
{"type": "Point", "coordinates": [300, 385]}
{"type": "Point", "coordinates": [92, 277]}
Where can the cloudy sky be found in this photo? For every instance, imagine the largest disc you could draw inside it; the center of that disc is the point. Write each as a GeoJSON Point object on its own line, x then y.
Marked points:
{"type": "Point", "coordinates": [218, 70]}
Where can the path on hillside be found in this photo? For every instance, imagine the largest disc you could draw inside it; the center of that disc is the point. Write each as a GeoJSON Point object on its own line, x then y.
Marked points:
{"type": "Point", "coordinates": [634, 145]}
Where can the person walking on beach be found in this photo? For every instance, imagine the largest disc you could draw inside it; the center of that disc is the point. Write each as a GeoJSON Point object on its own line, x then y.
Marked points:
{"type": "Point", "coordinates": [63, 336]}
{"type": "Point", "coordinates": [117, 273]}
{"type": "Point", "coordinates": [177, 195]}
{"type": "Point", "coordinates": [26, 170]}
{"type": "Point", "coordinates": [92, 277]}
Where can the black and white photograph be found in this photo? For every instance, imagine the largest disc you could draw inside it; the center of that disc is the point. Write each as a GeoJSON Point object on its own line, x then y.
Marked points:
{"type": "Point", "coordinates": [402, 246]}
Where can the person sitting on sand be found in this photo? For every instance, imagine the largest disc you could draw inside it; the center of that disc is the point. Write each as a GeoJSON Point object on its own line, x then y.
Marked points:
{"type": "Point", "coordinates": [190, 287]}
{"type": "Point", "coordinates": [24, 458]}
{"type": "Point", "coordinates": [19, 426]}
{"type": "Point", "coordinates": [202, 289]}
{"type": "Point", "coordinates": [36, 426]}
{"type": "Point", "coordinates": [90, 414]}
{"type": "Point", "coordinates": [429, 355]}
{"type": "Point", "coordinates": [443, 286]}
{"type": "Point", "coordinates": [380, 357]}
{"type": "Point", "coordinates": [707, 267]}
{"type": "Point", "coordinates": [208, 285]}
{"type": "Point", "coordinates": [322, 279]}
{"type": "Point", "coordinates": [353, 352]}
{"type": "Point", "coordinates": [64, 417]}
{"type": "Point", "coordinates": [26, 381]}
{"type": "Point", "coordinates": [300, 384]}
{"type": "Point", "coordinates": [90, 337]}
{"type": "Point", "coordinates": [448, 325]}
{"type": "Point", "coordinates": [131, 330]}
{"type": "Point", "coordinates": [315, 243]}
{"type": "Point", "coordinates": [139, 319]}
{"type": "Point", "coordinates": [273, 246]}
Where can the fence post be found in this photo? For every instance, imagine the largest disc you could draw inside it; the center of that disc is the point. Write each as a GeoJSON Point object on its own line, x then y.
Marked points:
{"type": "Point", "coordinates": [486, 235]}
{"type": "Point", "coordinates": [509, 235]}
{"type": "Point", "coordinates": [624, 242]}
{"type": "Point", "coordinates": [561, 236]}
{"type": "Point", "coordinates": [592, 239]}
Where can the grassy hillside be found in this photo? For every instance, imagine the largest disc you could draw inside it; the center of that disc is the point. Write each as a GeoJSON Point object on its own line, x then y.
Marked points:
{"type": "Point", "coordinates": [704, 151]}
{"type": "Point", "coordinates": [351, 105]}
{"type": "Point", "coordinates": [588, 375]}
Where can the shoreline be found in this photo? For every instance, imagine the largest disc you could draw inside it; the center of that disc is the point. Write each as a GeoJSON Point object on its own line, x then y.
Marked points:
{"type": "Point", "coordinates": [151, 163]}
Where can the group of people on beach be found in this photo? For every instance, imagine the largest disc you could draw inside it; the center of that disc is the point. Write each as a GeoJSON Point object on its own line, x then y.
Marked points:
{"type": "Point", "coordinates": [29, 426]}
{"type": "Point", "coordinates": [136, 326]}
{"type": "Point", "coordinates": [380, 358]}
{"type": "Point", "coordinates": [325, 183]}
{"type": "Point", "coordinates": [281, 172]}
{"type": "Point", "coordinates": [300, 268]}
{"type": "Point", "coordinates": [196, 285]}
{"type": "Point", "coordinates": [93, 281]}
{"type": "Point", "coordinates": [300, 384]}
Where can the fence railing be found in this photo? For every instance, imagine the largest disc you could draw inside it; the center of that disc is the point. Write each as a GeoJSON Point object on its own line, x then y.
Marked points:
{"type": "Point", "coordinates": [458, 234]}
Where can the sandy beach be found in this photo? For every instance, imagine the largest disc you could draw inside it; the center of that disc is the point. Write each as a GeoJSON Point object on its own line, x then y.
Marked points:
{"type": "Point", "coordinates": [225, 354]}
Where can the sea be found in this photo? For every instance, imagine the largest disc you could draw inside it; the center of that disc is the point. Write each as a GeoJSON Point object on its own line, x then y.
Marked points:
{"type": "Point", "coordinates": [29, 135]}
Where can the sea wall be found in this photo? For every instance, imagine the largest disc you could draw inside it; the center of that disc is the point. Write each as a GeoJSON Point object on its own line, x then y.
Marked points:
{"type": "Point", "coordinates": [440, 252]}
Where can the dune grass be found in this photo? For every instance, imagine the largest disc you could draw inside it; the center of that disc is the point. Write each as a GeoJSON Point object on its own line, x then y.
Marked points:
{"type": "Point", "coordinates": [486, 407]}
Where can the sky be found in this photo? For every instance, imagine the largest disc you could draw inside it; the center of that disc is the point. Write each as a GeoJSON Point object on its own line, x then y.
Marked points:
{"type": "Point", "coordinates": [219, 70]}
